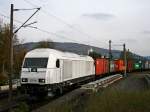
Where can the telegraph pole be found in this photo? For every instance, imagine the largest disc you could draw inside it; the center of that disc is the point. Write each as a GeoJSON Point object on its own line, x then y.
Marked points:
{"type": "Point", "coordinates": [11, 47]}
{"type": "Point", "coordinates": [109, 55]}
{"type": "Point", "coordinates": [11, 58]}
{"type": "Point", "coordinates": [125, 60]}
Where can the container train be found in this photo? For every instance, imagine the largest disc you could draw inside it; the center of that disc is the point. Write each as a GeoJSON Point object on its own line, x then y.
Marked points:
{"type": "Point", "coordinates": [47, 71]}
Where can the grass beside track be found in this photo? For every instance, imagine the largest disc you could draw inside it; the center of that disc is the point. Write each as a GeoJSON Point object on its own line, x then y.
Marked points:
{"type": "Point", "coordinates": [119, 101]}
{"type": "Point", "coordinates": [129, 95]}
{"type": "Point", "coordinates": [108, 101]}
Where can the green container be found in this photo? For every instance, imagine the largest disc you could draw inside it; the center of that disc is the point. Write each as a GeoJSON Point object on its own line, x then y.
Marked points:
{"type": "Point", "coordinates": [136, 66]}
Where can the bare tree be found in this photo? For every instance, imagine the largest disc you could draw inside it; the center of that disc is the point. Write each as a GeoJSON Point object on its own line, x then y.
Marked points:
{"type": "Point", "coordinates": [4, 46]}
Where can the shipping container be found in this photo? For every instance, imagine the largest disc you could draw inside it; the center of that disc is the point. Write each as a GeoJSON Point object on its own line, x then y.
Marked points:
{"type": "Point", "coordinates": [101, 66]}
{"type": "Point", "coordinates": [119, 65]}
{"type": "Point", "coordinates": [139, 65]}
{"type": "Point", "coordinates": [129, 65]}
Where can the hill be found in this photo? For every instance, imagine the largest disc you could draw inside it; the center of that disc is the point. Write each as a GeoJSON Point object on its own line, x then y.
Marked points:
{"type": "Point", "coordinates": [75, 48]}
{"type": "Point", "coordinates": [80, 49]}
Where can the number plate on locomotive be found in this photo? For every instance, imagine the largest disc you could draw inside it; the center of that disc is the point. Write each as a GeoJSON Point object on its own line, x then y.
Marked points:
{"type": "Point", "coordinates": [33, 80]}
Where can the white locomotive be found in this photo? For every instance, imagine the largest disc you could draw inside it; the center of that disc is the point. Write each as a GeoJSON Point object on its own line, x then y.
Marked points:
{"type": "Point", "coordinates": [49, 70]}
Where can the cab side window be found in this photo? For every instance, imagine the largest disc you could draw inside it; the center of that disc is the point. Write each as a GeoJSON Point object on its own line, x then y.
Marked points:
{"type": "Point", "coordinates": [57, 63]}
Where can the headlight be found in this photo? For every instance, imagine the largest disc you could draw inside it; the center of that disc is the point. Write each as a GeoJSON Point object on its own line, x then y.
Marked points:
{"type": "Point", "coordinates": [24, 80]}
{"type": "Point", "coordinates": [42, 80]}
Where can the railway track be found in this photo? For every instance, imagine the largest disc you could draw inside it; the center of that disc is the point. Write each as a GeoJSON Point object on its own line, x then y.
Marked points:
{"type": "Point", "coordinates": [4, 90]}
{"type": "Point", "coordinates": [78, 92]}
{"type": "Point", "coordinates": [32, 102]}
{"type": "Point", "coordinates": [72, 93]}
{"type": "Point", "coordinates": [15, 102]}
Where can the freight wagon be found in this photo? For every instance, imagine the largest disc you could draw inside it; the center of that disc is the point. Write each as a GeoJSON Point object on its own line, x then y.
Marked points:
{"type": "Point", "coordinates": [119, 65]}
{"type": "Point", "coordinates": [137, 65]}
{"type": "Point", "coordinates": [101, 66]}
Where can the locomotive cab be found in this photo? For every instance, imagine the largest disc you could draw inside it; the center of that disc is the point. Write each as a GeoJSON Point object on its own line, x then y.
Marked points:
{"type": "Point", "coordinates": [39, 71]}
{"type": "Point", "coordinates": [34, 70]}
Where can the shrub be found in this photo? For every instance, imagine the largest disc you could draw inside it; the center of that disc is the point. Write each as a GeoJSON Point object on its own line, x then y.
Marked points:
{"type": "Point", "coordinates": [119, 101]}
{"type": "Point", "coordinates": [23, 107]}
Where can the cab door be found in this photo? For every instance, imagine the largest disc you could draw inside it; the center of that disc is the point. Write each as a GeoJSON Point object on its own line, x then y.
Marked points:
{"type": "Point", "coordinates": [61, 69]}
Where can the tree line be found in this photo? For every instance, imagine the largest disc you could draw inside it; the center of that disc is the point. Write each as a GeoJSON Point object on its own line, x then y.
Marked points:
{"type": "Point", "coordinates": [18, 51]}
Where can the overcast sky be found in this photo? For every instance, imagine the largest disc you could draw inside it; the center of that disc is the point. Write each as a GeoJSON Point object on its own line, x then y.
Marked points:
{"type": "Point", "coordinates": [91, 22]}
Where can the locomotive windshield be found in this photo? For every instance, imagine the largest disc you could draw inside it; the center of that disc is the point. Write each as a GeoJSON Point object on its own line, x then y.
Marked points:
{"type": "Point", "coordinates": [35, 63]}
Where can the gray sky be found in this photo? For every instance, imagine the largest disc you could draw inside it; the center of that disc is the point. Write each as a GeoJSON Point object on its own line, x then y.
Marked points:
{"type": "Point", "coordinates": [92, 22]}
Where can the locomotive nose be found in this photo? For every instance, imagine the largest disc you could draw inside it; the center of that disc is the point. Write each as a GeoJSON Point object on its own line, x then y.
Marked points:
{"type": "Point", "coordinates": [38, 77]}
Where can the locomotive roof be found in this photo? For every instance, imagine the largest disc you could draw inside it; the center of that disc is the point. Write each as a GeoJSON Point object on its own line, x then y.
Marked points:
{"type": "Point", "coordinates": [45, 52]}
